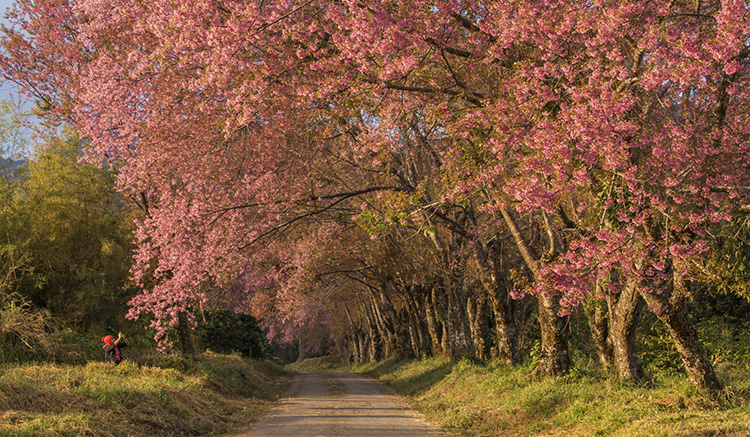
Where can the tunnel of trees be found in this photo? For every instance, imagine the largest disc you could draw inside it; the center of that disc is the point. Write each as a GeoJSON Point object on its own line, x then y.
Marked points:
{"type": "Point", "coordinates": [379, 178]}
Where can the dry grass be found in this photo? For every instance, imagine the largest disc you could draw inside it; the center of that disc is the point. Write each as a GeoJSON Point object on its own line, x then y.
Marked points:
{"type": "Point", "coordinates": [21, 325]}
{"type": "Point", "coordinates": [212, 395]}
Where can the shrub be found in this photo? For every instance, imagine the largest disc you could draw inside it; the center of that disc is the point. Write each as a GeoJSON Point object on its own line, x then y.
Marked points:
{"type": "Point", "coordinates": [226, 332]}
{"type": "Point", "coordinates": [656, 348]}
{"type": "Point", "coordinates": [72, 347]}
{"type": "Point", "coordinates": [23, 330]}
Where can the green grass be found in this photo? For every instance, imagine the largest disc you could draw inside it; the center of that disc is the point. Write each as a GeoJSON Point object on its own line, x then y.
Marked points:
{"type": "Point", "coordinates": [209, 395]}
{"type": "Point", "coordinates": [319, 364]}
{"type": "Point", "coordinates": [488, 399]}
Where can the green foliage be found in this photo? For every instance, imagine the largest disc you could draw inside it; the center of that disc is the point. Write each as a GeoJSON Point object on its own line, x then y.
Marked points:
{"type": "Point", "coordinates": [474, 152]}
{"type": "Point", "coordinates": [23, 328]}
{"type": "Point", "coordinates": [374, 224]}
{"type": "Point", "coordinates": [13, 136]}
{"type": "Point", "coordinates": [73, 212]}
{"type": "Point", "coordinates": [65, 220]}
{"type": "Point", "coordinates": [727, 266]}
{"type": "Point", "coordinates": [225, 332]}
{"type": "Point", "coordinates": [655, 346]}
{"type": "Point", "coordinates": [64, 251]}
{"type": "Point", "coordinates": [722, 325]}
{"type": "Point", "coordinates": [68, 346]}
{"type": "Point", "coordinates": [723, 342]}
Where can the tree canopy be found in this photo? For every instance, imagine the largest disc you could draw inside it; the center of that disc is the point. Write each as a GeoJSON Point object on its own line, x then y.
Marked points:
{"type": "Point", "coordinates": [292, 150]}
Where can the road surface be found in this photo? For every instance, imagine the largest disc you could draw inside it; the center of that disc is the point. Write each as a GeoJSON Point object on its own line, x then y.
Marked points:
{"type": "Point", "coordinates": [341, 404]}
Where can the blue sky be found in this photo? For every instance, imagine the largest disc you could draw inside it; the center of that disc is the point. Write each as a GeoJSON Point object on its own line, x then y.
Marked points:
{"type": "Point", "coordinates": [5, 88]}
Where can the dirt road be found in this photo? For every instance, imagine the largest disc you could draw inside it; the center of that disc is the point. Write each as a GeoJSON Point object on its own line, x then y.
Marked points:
{"type": "Point", "coordinates": [341, 404]}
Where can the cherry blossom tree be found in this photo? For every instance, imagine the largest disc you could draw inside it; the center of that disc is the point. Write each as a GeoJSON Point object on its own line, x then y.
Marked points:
{"type": "Point", "coordinates": [616, 131]}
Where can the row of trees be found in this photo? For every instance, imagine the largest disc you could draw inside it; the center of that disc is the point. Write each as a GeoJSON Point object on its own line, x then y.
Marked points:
{"type": "Point", "coordinates": [416, 177]}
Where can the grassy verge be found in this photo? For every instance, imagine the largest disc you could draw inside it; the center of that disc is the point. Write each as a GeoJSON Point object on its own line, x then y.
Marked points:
{"type": "Point", "coordinates": [209, 395]}
{"type": "Point", "coordinates": [488, 399]}
{"type": "Point", "coordinates": [319, 364]}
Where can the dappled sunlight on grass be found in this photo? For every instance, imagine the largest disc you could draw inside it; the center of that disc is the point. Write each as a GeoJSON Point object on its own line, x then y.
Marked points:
{"type": "Point", "coordinates": [490, 398]}
{"type": "Point", "coordinates": [317, 365]}
{"type": "Point", "coordinates": [207, 395]}
{"type": "Point", "coordinates": [413, 377]}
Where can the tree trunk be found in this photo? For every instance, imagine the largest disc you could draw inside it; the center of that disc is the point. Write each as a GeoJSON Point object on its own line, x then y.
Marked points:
{"type": "Point", "coordinates": [392, 322]}
{"type": "Point", "coordinates": [456, 333]}
{"type": "Point", "coordinates": [416, 328]}
{"type": "Point", "coordinates": [361, 348]}
{"type": "Point", "coordinates": [508, 314]}
{"type": "Point", "coordinates": [355, 347]}
{"type": "Point", "coordinates": [673, 313]}
{"type": "Point", "coordinates": [434, 327]}
{"type": "Point", "coordinates": [507, 336]}
{"type": "Point", "coordinates": [373, 350]}
{"type": "Point", "coordinates": [404, 336]}
{"type": "Point", "coordinates": [669, 303]}
{"type": "Point", "coordinates": [624, 313]}
{"type": "Point", "coordinates": [477, 311]}
{"type": "Point", "coordinates": [184, 332]}
{"type": "Point", "coordinates": [596, 315]}
{"type": "Point", "coordinates": [415, 350]}
{"type": "Point", "coordinates": [384, 328]}
{"type": "Point", "coordinates": [554, 359]}
{"type": "Point", "coordinates": [300, 347]}
{"type": "Point", "coordinates": [457, 325]}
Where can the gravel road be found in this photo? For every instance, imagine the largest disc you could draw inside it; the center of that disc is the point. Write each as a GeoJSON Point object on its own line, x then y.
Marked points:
{"type": "Point", "coordinates": [341, 404]}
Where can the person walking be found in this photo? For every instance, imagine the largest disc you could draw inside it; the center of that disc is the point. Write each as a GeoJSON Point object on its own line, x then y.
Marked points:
{"type": "Point", "coordinates": [112, 348]}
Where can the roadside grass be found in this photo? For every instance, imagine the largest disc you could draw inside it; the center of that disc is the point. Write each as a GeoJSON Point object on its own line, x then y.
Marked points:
{"type": "Point", "coordinates": [490, 399]}
{"type": "Point", "coordinates": [208, 395]}
{"type": "Point", "coordinates": [323, 364]}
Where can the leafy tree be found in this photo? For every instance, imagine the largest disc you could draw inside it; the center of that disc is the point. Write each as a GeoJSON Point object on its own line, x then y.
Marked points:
{"type": "Point", "coordinates": [75, 236]}
{"type": "Point", "coordinates": [14, 134]}
{"type": "Point", "coordinates": [223, 331]}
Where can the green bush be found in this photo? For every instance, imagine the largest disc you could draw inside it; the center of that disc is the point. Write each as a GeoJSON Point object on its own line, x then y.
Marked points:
{"type": "Point", "coordinates": [72, 347]}
{"type": "Point", "coordinates": [226, 332]}
{"type": "Point", "coordinates": [722, 326]}
{"type": "Point", "coordinates": [743, 345]}
{"type": "Point", "coordinates": [656, 347]}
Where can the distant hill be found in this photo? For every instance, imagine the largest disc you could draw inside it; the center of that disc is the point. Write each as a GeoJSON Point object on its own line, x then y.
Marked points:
{"type": "Point", "coordinates": [9, 166]}
{"type": "Point", "coordinates": [7, 163]}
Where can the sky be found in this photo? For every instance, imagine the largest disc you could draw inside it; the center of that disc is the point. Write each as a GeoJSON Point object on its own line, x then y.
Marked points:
{"type": "Point", "coordinates": [5, 87]}
{"type": "Point", "coordinates": [8, 88]}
